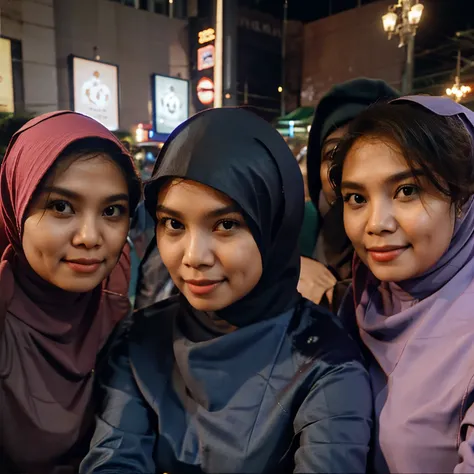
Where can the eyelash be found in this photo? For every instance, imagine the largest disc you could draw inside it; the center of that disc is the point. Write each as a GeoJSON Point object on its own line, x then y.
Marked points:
{"type": "Point", "coordinates": [346, 197]}
{"type": "Point", "coordinates": [163, 221]}
{"type": "Point", "coordinates": [50, 206]}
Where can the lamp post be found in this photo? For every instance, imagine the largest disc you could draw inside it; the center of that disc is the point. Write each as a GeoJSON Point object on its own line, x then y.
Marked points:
{"type": "Point", "coordinates": [458, 91]}
{"type": "Point", "coordinates": [402, 19]}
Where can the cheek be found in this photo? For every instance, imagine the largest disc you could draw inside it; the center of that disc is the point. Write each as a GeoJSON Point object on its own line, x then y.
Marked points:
{"type": "Point", "coordinates": [115, 236]}
{"type": "Point", "coordinates": [171, 253]}
{"type": "Point", "coordinates": [354, 225]}
{"type": "Point", "coordinates": [44, 237]}
{"type": "Point", "coordinates": [241, 258]}
{"type": "Point", "coordinates": [430, 230]}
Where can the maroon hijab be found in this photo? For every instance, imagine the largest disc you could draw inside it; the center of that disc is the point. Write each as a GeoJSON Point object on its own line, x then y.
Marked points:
{"type": "Point", "coordinates": [49, 338]}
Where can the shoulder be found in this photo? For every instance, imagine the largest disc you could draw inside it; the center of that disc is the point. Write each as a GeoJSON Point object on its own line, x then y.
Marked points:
{"type": "Point", "coordinates": [321, 334]}
{"type": "Point", "coordinates": [155, 321]}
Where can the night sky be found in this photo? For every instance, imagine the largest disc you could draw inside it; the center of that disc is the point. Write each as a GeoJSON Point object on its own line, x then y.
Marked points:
{"type": "Point", "coordinates": [435, 47]}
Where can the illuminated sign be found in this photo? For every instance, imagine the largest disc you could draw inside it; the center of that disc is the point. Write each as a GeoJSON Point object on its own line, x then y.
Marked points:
{"type": "Point", "coordinates": [205, 91]}
{"type": "Point", "coordinates": [7, 103]}
{"type": "Point", "coordinates": [205, 36]}
{"type": "Point", "coordinates": [95, 91]}
{"type": "Point", "coordinates": [206, 57]}
{"type": "Point", "coordinates": [170, 102]}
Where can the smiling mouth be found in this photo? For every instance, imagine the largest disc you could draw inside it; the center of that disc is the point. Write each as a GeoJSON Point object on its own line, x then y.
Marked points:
{"type": "Point", "coordinates": [202, 287]}
{"type": "Point", "coordinates": [84, 265]}
{"type": "Point", "coordinates": [387, 253]}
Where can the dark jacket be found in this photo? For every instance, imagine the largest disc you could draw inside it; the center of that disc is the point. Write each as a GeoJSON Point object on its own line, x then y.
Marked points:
{"type": "Point", "coordinates": [287, 394]}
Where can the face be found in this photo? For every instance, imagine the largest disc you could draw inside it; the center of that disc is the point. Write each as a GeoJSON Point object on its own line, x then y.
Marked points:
{"type": "Point", "coordinates": [399, 228]}
{"type": "Point", "coordinates": [208, 249]}
{"type": "Point", "coordinates": [329, 144]}
{"type": "Point", "coordinates": [77, 224]}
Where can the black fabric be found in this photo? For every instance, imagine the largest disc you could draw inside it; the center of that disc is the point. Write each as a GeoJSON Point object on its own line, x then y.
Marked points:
{"type": "Point", "coordinates": [338, 107]}
{"type": "Point", "coordinates": [242, 156]}
{"type": "Point", "coordinates": [153, 282]}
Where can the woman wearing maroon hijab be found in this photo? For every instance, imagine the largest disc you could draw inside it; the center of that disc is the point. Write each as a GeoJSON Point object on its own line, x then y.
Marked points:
{"type": "Point", "coordinates": [67, 190]}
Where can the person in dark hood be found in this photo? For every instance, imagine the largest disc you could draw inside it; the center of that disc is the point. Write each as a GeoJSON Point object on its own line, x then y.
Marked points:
{"type": "Point", "coordinates": [325, 278]}
{"type": "Point", "coordinates": [237, 373]}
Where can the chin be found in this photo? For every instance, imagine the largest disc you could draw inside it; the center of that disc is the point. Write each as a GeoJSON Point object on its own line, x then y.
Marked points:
{"type": "Point", "coordinates": [78, 286]}
{"type": "Point", "coordinates": [207, 306]}
{"type": "Point", "coordinates": [392, 274]}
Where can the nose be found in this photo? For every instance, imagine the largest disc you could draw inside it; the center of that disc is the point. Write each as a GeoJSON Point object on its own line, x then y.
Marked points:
{"type": "Point", "coordinates": [198, 250]}
{"type": "Point", "coordinates": [88, 233]}
{"type": "Point", "coordinates": [381, 219]}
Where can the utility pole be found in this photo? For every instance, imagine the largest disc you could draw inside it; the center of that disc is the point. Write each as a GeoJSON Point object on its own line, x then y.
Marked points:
{"type": "Point", "coordinates": [219, 48]}
{"type": "Point", "coordinates": [283, 58]}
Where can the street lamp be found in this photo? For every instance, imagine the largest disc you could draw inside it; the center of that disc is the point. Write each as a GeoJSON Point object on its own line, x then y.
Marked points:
{"type": "Point", "coordinates": [458, 91]}
{"type": "Point", "coordinates": [402, 19]}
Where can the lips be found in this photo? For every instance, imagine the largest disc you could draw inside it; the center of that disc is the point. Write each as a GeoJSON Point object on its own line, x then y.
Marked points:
{"type": "Point", "coordinates": [83, 265]}
{"type": "Point", "coordinates": [202, 287]}
{"type": "Point", "coordinates": [386, 253]}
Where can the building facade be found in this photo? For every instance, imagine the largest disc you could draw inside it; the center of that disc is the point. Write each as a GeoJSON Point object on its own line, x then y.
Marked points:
{"type": "Point", "coordinates": [348, 45]}
{"type": "Point", "coordinates": [136, 41]}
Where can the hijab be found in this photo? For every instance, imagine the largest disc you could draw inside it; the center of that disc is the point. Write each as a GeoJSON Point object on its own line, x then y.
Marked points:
{"type": "Point", "coordinates": [49, 338]}
{"type": "Point", "coordinates": [423, 296]}
{"type": "Point", "coordinates": [242, 156]}
{"type": "Point", "coordinates": [337, 108]}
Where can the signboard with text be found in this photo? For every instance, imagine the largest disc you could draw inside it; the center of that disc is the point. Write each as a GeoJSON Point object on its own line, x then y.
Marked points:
{"type": "Point", "coordinates": [170, 102]}
{"type": "Point", "coordinates": [95, 90]}
{"type": "Point", "coordinates": [7, 101]}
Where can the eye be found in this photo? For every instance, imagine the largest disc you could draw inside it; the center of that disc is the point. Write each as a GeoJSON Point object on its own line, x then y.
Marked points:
{"type": "Point", "coordinates": [354, 199]}
{"type": "Point", "coordinates": [60, 207]}
{"type": "Point", "coordinates": [171, 224]}
{"type": "Point", "coordinates": [114, 211]}
{"type": "Point", "coordinates": [227, 225]}
{"type": "Point", "coordinates": [407, 191]}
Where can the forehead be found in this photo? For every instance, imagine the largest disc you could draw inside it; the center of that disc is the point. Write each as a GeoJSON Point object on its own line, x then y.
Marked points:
{"type": "Point", "coordinates": [186, 194]}
{"type": "Point", "coordinates": [373, 159]}
{"type": "Point", "coordinates": [336, 134]}
{"type": "Point", "coordinates": [77, 172]}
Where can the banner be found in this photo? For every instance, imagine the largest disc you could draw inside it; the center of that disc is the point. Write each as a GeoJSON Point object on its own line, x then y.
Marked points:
{"type": "Point", "coordinates": [7, 103]}
{"type": "Point", "coordinates": [170, 102]}
{"type": "Point", "coordinates": [95, 90]}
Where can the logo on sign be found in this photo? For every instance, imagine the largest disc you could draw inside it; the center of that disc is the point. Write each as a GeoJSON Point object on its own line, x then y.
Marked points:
{"type": "Point", "coordinates": [206, 57]}
{"type": "Point", "coordinates": [205, 36]}
{"type": "Point", "coordinates": [95, 92]}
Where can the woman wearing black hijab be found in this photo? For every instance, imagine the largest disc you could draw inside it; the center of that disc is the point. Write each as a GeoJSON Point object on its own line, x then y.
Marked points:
{"type": "Point", "coordinates": [237, 373]}
{"type": "Point", "coordinates": [325, 279]}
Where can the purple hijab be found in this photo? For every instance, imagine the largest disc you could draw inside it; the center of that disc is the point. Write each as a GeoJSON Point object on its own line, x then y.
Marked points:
{"type": "Point", "coordinates": [420, 334]}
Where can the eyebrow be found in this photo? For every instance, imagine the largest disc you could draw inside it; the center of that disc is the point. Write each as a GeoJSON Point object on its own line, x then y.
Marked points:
{"type": "Point", "coordinates": [73, 195]}
{"type": "Point", "coordinates": [395, 178]}
{"type": "Point", "coordinates": [222, 211]}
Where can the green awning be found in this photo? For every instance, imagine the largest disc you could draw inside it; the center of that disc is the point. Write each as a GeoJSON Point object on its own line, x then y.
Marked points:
{"type": "Point", "coordinates": [296, 123]}
{"type": "Point", "coordinates": [300, 116]}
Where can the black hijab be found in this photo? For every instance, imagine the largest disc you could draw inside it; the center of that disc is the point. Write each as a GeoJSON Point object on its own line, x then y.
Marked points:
{"type": "Point", "coordinates": [339, 106]}
{"type": "Point", "coordinates": [242, 156]}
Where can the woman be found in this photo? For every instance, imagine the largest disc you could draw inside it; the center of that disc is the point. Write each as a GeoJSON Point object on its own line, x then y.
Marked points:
{"type": "Point", "coordinates": [67, 190]}
{"type": "Point", "coordinates": [238, 373]}
{"type": "Point", "coordinates": [406, 176]}
{"type": "Point", "coordinates": [326, 279]}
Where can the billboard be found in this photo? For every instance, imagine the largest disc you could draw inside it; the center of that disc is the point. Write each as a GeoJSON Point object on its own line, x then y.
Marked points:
{"type": "Point", "coordinates": [170, 102]}
{"type": "Point", "coordinates": [7, 102]}
{"type": "Point", "coordinates": [95, 90]}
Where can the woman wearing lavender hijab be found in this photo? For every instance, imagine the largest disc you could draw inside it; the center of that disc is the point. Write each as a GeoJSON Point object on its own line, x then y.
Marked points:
{"type": "Point", "coordinates": [406, 175]}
